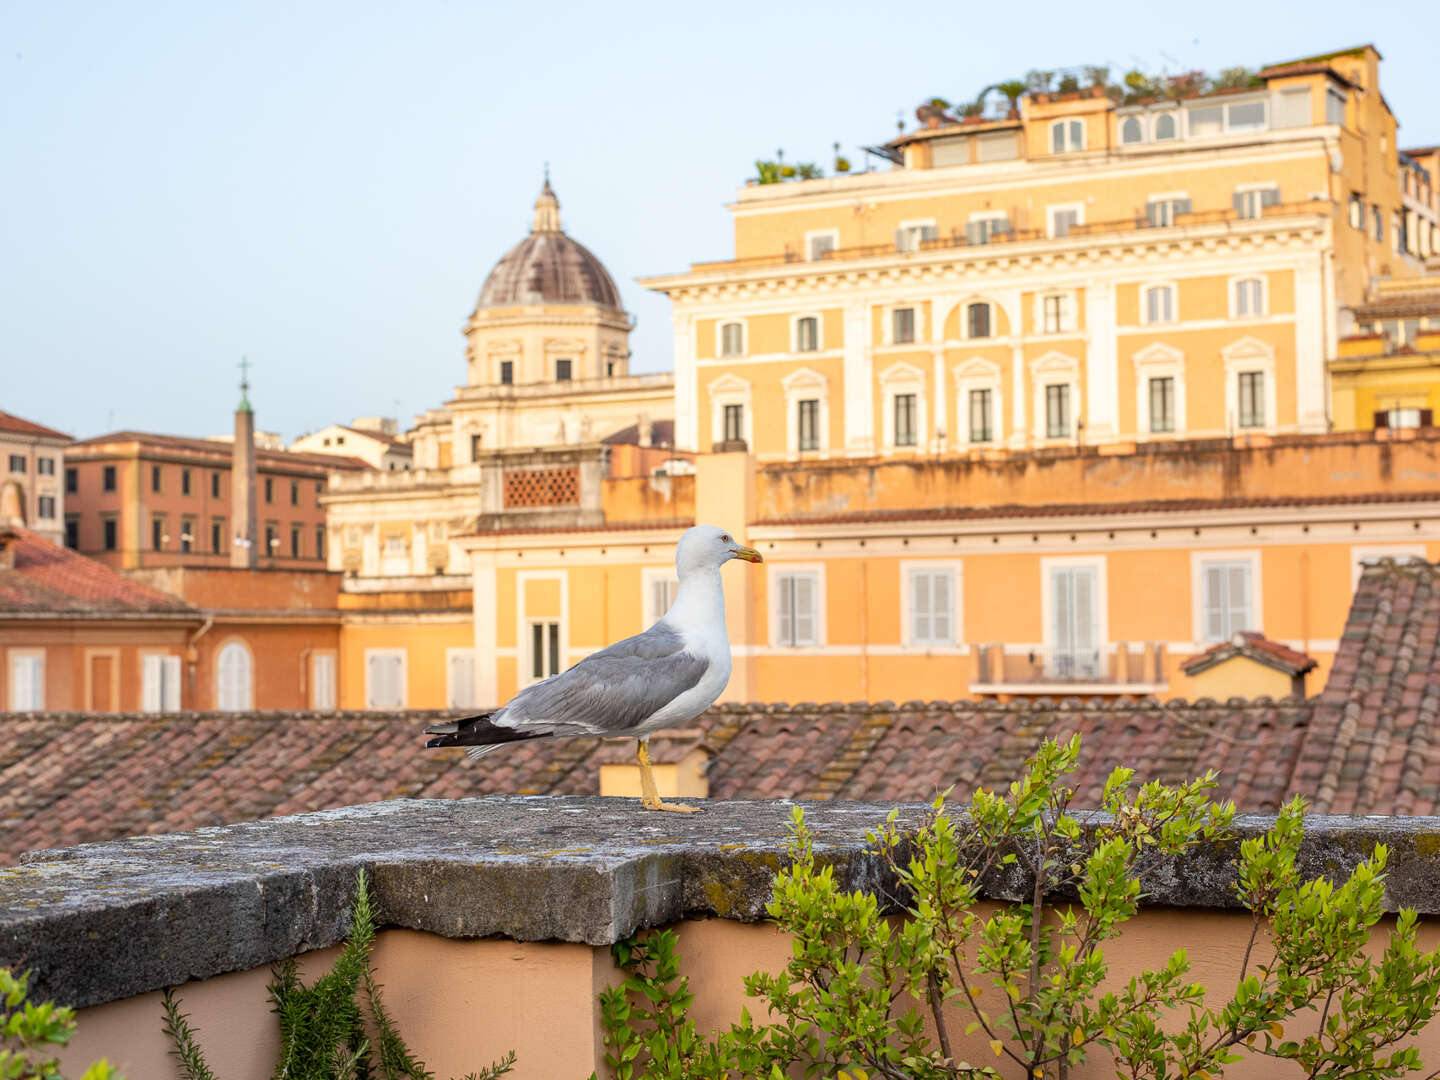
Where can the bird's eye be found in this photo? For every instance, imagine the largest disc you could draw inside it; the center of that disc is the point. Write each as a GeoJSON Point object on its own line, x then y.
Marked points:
{"type": "Point", "coordinates": [724, 539]}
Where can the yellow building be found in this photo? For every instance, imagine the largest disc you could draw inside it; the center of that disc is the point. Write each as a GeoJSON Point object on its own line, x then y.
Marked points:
{"type": "Point", "coordinates": [1387, 373]}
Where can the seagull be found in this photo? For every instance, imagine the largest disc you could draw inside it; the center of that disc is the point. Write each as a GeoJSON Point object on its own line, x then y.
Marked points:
{"type": "Point", "coordinates": [668, 675]}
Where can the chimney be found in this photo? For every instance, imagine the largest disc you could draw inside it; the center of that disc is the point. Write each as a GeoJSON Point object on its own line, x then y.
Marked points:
{"type": "Point", "coordinates": [244, 551]}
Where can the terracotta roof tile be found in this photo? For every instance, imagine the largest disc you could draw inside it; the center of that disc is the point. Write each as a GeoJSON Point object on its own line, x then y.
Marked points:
{"type": "Point", "coordinates": [48, 578]}
{"type": "Point", "coordinates": [276, 458]}
{"type": "Point", "coordinates": [20, 426]}
{"type": "Point", "coordinates": [1255, 646]}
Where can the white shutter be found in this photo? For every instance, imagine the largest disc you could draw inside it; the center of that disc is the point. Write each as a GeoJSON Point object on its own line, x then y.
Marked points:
{"type": "Point", "coordinates": [373, 674]}
{"type": "Point", "coordinates": [233, 683]}
{"type": "Point", "coordinates": [322, 681]}
{"type": "Point", "coordinates": [805, 610]}
{"type": "Point", "coordinates": [169, 683]}
{"type": "Point", "coordinates": [920, 622]}
{"type": "Point", "coordinates": [1086, 623]}
{"type": "Point", "coordinates": [1062, 585]}
{"type": "Point", "coordinates": [150, 683]}
{"type": "Point", "coordinates": [27, 683]}
{"type": "Point", "coordinates": [461, 680]}
{"type": "Point", "coordinates": [787, 609]}
{"type": "Point", "coordinates": [1238, 598]}
{"type": "Point", "coordinates": [1214, 590]}
{"type": "Point", "coordinates": [942, 601]}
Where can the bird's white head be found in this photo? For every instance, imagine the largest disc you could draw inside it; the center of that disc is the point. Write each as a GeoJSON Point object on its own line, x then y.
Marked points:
{"type": "Point", "coordinates": [705, 547]}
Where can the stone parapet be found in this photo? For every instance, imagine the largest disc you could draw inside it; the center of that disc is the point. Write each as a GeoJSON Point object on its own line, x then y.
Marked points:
{"type": "Point", "coordinates": [107, 921]}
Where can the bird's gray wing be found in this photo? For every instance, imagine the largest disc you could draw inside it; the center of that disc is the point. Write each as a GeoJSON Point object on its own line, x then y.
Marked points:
{"type": "Point", "coordinates": [610, 692]}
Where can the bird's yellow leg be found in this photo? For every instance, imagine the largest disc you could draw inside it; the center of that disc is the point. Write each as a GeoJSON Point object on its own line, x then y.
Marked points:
{"type": "Point", "coordinates": [649, 796]}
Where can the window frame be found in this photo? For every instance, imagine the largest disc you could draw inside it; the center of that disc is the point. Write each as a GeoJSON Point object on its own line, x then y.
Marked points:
{"type": "Point", "coordinates": [902, 378]}
{"type": "Point", "coordinates": [811, 235]}
{"type": "Point", "coordinates": [38, 680]}
{"type": "Point", "coordinates": [991, 323]}
{"type": "Point", "coordinates": [1158, 361]}
{"type": "Point", "coordinates": [1048, 565]}
{"type": "Point", "coordinates": [978, 373]}
{"type": "Point", "coordinates": [1139, 120]}
{"type": "Point", "coordinates": [1199, 561]}
{"type": "Point", "coordinates": [806, 384]}
{"type": "Point", "coordinates": [650, 577]}
{"type": "Point", "coordinates": [894, 325]}
{"type": "Point", "coordinates": [452, 699]}
{"type": "Point", "coordinates": [1050, 211]}
{"type": "Point", "coordinates": [1067, 427]}
{"type": "Point", "coordinates": [909, 639]}
{"type": "Point", "coordinates": [248, 694]}
{"type": "Point", "coordinates": [731, 390]}
{"type": "Point", "coordinates": [388, 652]}
{"type": "Point", "coordinates": [163, 663]}
{"type": "Point", "coordinates": [1174, 313]}
{"type": "Point", "coordinates": [720, 327]}
{"type": "Point", "coordinates": [1233, 287]}
{"type": "Point", "coordinates": [330, 701]}
{"type": "Point", "coordinates": [795, 322]}
{"type": "Point", "coordinates": [816, 573]}
{"type": "Point", "coordinates": [1066, 127]}
{"type": "Point", "coordinates": [917, 227]}
{"type": "Point", "coordinates": [1048, 370]}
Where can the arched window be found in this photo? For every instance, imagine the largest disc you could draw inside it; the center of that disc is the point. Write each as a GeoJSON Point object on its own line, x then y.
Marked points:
{"type": "Point", "coordinates": [1131, 130]}
{"type": "Point", "coordinates": [1165, 126]}
{"type": "Point", "coordinates": [232, 678]}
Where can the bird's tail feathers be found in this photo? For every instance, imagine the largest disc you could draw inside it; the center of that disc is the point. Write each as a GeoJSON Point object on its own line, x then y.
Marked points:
{"type": "Point", "coordinates": [478, 733]}
{"type": "Point", "coordinates": [481, 751]}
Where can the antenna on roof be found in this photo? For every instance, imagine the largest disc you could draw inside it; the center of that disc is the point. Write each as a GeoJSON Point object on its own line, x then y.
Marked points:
{"type": "Point", "coordinates": [244, 367]}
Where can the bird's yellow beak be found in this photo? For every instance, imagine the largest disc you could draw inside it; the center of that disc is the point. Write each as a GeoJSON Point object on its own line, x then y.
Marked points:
{"type": "Point", "coordinates": [749, 554]}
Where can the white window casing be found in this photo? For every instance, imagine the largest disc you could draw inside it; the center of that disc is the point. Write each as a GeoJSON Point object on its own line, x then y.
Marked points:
{"type": "Point", "coordinates": [234, 678]}
{"type": "Point", "coordinates": [899, 379]}
{"type": "Point", "coordinates": [731, 390]}
{"type": "Point", "coordinates": [1061, 217]}
{"type": "Point", "coordinates": [807, 336]}
{"type": "Point", "coordinates": [1226, 595]}
{"type": "Point", "coordinates": [1158, 361]}
{"type": "Point", "coordinates": [797, 605]}
{"type": "Point", "coordinates": [888, 317]}
{"type": "Point", "coordinates": [659, 586]}
{"type": "Point", "coordinates": [385, 678]}
{"type": "Point", "coordinates": [1067, 136]}
{"type": "Point", "coordinates": [1292, 107]}
{"type": "Point", "coordinates": [819, 242]}
{"type": "Point", "coordinates": [1249, 296]}
{"type": "Point", "coordinates": [1159, 303]}
{"type": "Point", "coordinates": [910, 235]}
{"type": "Point", "coordinates": [460, 678]}
{"type": "Point", "coordinates": [1075, 610]}
{"type": "Point", "coordinates": [27, 680]}
{"type": "Point", "coordinates": [1044, 308]}
{"type": "Point", "coordinates": [806, 385]}
{"type": "Point", "coordinates": [1054, 368]}
{"type": "Point", "coordinates": [930, 600]}
{"type": "Point", "coordinates": [979, 373]}
{"type": "Point", "coordinates": [730, 338]}
{"type": "Point", "coordinates": [1248, 355]}
{"type": "Point", "coordinates": [159, 683]}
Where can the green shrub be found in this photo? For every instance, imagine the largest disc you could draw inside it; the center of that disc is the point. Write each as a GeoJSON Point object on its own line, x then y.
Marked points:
{"type": "Point", "coordinates": [27, 1029]}
{"type": "Point", "coordinates": [856, 995]}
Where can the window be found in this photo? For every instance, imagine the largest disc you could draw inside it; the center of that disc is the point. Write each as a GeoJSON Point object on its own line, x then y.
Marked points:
{"type": "Point", "coordinates": [72, 532]}
{"type": "Point", "coordinates": [544, 650]}
{"type": "Point", "coordinates": [1377, 221]}
{"type": "Point", "coordinates": [184, 481]}
{"type": "Point", "coordinates": [820, 244]}
{"type": "Point", "coordinates": [1245, 116]}
{"type": "Point", "coordinates": [1334, 107]}
{"type": "Point", "coordinates": [295, 541]}
{"type": "Point", "coordinates": [798, 601]}
{"type": "Point", "coordinates": [609, 367]}
{"type": "Point", "coordinates": [984, 229]}
{"type": "Point", "coordinates": [460, 678]}
{"type": "Point", "coordinates": [807, 334]}
{"type": "Point", "coordinates": [732, 339]}
{"type": "Point", "coordinates": [322, 681]}
{"type": "Point", "coordinates": [1405, 418]}
{"type": "Point", "coordinates": [1067, 136]}
{"type": "Point", "coordinates": [1205, 120]}
{"type": "Point", "coordinates": [45, 466]}
{"type": "Point", "coordinates": [157, 533]}
{"type": "Point", "coordinates": [384, 678]}
{"type": "Point", "coordinates": [905, 433]}
{"type": "Point", "coordinates": [734, 423]}
{"type": "Point", "coordinates": [808, 424]}
{"type": "Point", "coordinates": [107, 478]}
{"type": "Point", "coordinates": [294, 493]}
{"type": "Point", "coordinates": [1292, 108]}
{"type": "Point", "coordinates": [269, 489]}
{"type": "Point", "coordinates": [187, 535]}
{"type": "Point", "coordinates": [72, 481]}
{"type": "Point", "coordinates": [912, 234]}
{"type": "Point", "coordinates": [1057, 410]}
{"type": "Point", "coordinates": [215, 485]}
{"type": "Point", "coordinates": [1226, 599]}
{"type": "Point", "coordinates": [562, 370]}
{"type": "Point", "coordinates": [1074, 623]}
{"type": "Point", "coordinates": [902, 326]}
{"type": "Point", "coordinates": [1161, 212]}
{"type": "Point", "coordinates": [1065, 218]}
{"type": "Point", "coordinates": [1132, 130]}
{"type": "Point", "coordinates": [660, 592]}
{"type": "Point", "coordinates": [217, 535]}
{"type": "Point", "coordinates": [1165, 127]}
{"type": "Point", "coordinates": [932, 607]}
{"type": "Point", "coordinates": [271, 540]}
{"type": "Point", "coordinates": [233, 678]}
{"type": "Point", "coordinates": [159, 683]}
{"type": "Point", "coordinates": [319, 541]}
{"type": "Point", "coordinates": [155, 476]}
{"type": "Point", "coordinates": [1249, 204]}
{"type": "Point", "coordinates": [1249, 298]}
{"type": "Point", "coordinates": [109, 530]}
{"type": "Point", "coordinates": [977, 320]}
{"type": "Point", "coordinates": [1162, 404]}
{"type": "Point", "coordinates": [27, 680]}
{"type": "Point", "coordinates": [507, 372]}
{"type": "Point", "coordinates": [46, 506]}
{"type": "Point", "coordinates": [981, 424]}
{"type": "Point", "coordinates": [1357, 211]}
{"type": "Point", "coordinates": [1252, 399]}
{"type": "Point", "coordinates": [1160, 304]}
{"type": "Point", "coordinates": [1052, 309]}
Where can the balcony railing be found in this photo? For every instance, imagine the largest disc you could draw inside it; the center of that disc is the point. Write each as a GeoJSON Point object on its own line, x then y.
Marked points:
{"type": "Point", "coordinates": [958, 239]}
{"type": "Point", "coordinates": [1127, 667]}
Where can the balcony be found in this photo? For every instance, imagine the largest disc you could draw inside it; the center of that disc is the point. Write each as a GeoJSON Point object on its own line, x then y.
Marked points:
{"type": "Point", "coordinates": [1130, 668]}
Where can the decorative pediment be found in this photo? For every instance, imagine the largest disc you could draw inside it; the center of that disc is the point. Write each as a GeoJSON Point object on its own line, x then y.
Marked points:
{"type": "Point", "coordinates": [1053, 363]}
{"type": "Point", "coordinates": [902, 372]}
{"type": "Point", "coordinates": [804, 379]}
{"type": "Point", "coordinates": [1248, 348]}
{"type": "Point", "coordinates": [977, 367]}
{"type": "Point", "coordinates": [728, 384]}
{"type": "Point", "coordinates": [1159, 354]}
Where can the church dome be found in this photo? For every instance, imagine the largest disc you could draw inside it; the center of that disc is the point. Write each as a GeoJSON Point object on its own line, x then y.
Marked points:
{"type": "Point", "coordinates": [548, 267]}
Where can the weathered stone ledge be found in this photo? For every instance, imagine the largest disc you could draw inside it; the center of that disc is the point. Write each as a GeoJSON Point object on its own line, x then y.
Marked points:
{"type": "Point", "coordinates": [106, 921]}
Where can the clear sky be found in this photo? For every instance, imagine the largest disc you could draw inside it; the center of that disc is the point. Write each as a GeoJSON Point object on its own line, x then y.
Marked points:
{"type": "Point", "coordinates": [324, 186]}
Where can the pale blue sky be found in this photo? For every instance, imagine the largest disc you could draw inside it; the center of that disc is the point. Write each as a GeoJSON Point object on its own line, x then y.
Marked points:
{"type": "Point", "coordinates": [324, 186]}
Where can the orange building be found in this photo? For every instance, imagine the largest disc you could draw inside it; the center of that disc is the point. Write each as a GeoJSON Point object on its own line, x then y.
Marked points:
{"type": "Point", "coordinates": [32, 458]}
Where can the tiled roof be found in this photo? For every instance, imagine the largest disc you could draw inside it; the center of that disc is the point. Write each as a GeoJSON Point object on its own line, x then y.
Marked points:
{"type": "Point", "coordinates": [221, 447]}
{"type": "Point", "coordinates": [1366, 745]}
{"type": "Point", "coordinates": [20, 426]}
{"type": "Point", "coordinates": [1257, 647]}
{"type": "Point", "coordinates": [1279, 71]}
{"type": "Point", "coordinates": [662, 434]}
{"type": "Point", "coordinates": [379, 436]}
{"type": "Point", "coordinates": [1372, 744]}
{"type": "Point", "coordinates": [47, 578]}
